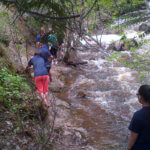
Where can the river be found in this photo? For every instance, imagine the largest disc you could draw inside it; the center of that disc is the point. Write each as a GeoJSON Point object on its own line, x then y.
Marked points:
{"type": "Point", "coordinates": [103, 99]}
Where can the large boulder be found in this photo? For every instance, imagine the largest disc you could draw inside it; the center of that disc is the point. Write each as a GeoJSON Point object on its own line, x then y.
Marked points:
{"type": "Point", "coordinates": [70, 56]}
{"type": "Point", "coordinates": [72, 59]}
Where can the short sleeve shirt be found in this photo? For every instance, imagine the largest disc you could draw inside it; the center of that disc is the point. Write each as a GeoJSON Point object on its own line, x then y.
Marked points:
{"type": "Point", "coordinates": [38, 66]}
{"type": "Point", "coordinates": [46, 46]}
{"type": "Point", "coordinates": [46, 54]}
{"type": "Point", "coordinates": [140, 124]}
{"type": "Point", "coordinates": [38, 38]}
{"type": "Point", "coordinates": [52, 38]}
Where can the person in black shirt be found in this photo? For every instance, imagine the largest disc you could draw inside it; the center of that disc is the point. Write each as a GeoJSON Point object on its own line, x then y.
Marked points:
{"type": "Point", "coordinates": [140, 124]}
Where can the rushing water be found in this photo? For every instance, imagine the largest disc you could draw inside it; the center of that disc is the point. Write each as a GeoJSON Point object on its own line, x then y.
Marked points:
{"type": "Point", "coordinates": [103, 100]}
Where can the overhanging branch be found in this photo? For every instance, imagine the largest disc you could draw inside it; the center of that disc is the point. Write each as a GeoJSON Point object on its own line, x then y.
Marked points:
{"type": "Point", "coordinates": [90, 9]}
{"type": "Point", "coordinates": [20, 7]}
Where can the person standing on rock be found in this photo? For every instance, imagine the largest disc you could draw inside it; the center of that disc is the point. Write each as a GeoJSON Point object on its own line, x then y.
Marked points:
{"type": "Point", "coordinates": [39, 36]}
{"type": "Point", "coordinates": [41, 75]}
{"type": "Point", "coordinates": [140, 124]}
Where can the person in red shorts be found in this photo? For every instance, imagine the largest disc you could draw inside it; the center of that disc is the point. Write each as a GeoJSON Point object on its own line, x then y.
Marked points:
{"type": "Point", "coordinates": [41, 75]}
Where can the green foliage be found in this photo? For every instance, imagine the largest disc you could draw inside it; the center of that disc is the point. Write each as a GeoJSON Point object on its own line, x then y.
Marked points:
{"type": "Point", "coordinates": [40, 6]}
{"type": "Point", "coordinates": [137, 62]}
{"type": "Point", "coordinates": [3, 22]}
{"type": "Point", "coordinates": [12, 88]}
{"type": "Point", "coordinates": [113, 56]}
{"type": "Point", "coordinates": [34, 23]}
{"type": "Point", "coordinates": [4, 38]}
{"type": "Point", "coordinates": [60, 30]}
{"type": "Point", "coordinates": [58, 8]}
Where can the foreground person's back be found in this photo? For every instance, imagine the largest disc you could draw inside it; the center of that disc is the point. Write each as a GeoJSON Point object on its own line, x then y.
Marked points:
{"type": "Point", "coordinates": [140, 123]}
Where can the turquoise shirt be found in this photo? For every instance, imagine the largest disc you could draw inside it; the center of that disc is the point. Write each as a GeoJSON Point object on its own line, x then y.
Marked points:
{"type": "Point", "coordinates": [52, 39]}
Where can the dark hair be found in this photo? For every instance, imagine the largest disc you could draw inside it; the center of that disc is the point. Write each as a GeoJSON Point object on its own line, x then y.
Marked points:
{"type": "Point", "coordinates": [144, 91]}
{"type": "Point", "coordinates": [51, 31]}
{"type": "Point", "coordinates": [37, 52]}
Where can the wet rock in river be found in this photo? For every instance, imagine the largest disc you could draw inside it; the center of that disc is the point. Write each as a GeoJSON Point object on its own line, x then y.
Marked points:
{"type": "Point", "coordinates": [123, 45]}
{"type": "Point", "coordinates": [72, 59]}
{"type": "Point", "coordinates": [82, 94]}
{"type": "Point", "coordinates": [70, 56]}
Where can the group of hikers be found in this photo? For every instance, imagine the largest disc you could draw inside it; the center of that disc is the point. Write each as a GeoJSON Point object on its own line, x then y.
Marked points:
{"type": "Point", "coordinates": [46, 51]}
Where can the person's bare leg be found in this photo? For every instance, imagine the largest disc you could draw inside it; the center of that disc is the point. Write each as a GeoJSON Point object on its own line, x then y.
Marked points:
{"type": "Point", "coordinates": [50, 76]}
{"type": "Point", "coordinates": [46, 98]}
{"type": "Point", "coordinates": [42, 95]}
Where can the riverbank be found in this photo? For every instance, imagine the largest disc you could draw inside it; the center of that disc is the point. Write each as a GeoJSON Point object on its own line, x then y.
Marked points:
{"type": "Point", "coordinates": [67, 134]}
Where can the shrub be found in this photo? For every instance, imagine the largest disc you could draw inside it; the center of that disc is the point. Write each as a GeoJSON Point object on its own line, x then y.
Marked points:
{"type": "Point", "coordinates": [12, 87]}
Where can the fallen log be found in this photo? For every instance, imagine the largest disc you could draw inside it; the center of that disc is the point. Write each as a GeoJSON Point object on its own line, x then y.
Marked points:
{"type": "Point", "coordinates": [75, 64]}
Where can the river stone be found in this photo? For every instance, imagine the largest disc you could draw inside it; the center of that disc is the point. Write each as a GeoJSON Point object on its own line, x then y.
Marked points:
{"type": "Point", "coordinates": [81, 94]}
{"type": "Point", "coordinates": [62, 103]}
{"type": "Point", "coordinates": [72, 58]}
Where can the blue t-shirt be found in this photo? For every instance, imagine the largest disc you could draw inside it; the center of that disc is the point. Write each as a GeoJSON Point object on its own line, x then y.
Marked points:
{"type": "Point", "coordinates": [38, 66]}
{"type": "Point", "coordinates": [38, 38]}
{"type": "Point", "coordinates": [46, 54]}
{"type": "Point", "coordinates": [46, 46]}
{"type": "Point", "coordinates": [140, 124]}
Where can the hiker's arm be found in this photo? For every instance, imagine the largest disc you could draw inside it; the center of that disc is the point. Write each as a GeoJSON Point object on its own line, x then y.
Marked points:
{"type": "Point", "coordinates": [132, 139]}
{"type": "Point", "coordinates": [37, 44]}
{"type": "Point", "coordinates": [50, 58]}
{"type": "Point", "coordinates": [30, 65]}
{"type": "Point", "coordinates": [49, 45]}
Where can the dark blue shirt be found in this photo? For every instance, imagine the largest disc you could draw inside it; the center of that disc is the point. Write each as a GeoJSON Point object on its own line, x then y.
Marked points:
{"type": "Point", "coordinates": [38, 38]}
{"type": "Point", "coordinates": [46, 46]}
{"type": "Point", "coordinates": [38, 66]}
{"type": "Point", "coordinates": [46, 54]}
{"type": "Point", "coordinates": [140, 124]}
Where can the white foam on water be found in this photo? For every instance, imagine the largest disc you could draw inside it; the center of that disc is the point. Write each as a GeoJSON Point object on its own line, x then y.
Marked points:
{"type": "Point", "coordinates": [98, 63]}
{"type": "Point", "coordinates": [131, 101]}
{"type": "Point", "coordinates": [130, 34]}
{"type": "Point", "coordinates": [82, 80]}
{"type": "Point", "coordinates": [126, 52]}
{"type": "Point", "coordinates": [124, 76]}
{"type": "Point", "coordinates": [106, 39]}
{"type": "Point", "coordinates": [110, 105]}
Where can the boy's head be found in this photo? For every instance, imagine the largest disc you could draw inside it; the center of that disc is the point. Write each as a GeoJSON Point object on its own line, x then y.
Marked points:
{"type": "Point", "coordinates": [42, 31]}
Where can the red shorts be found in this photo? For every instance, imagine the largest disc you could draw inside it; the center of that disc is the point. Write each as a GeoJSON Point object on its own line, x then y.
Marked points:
{"type": "Point", "coordinates": [42, 83]}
